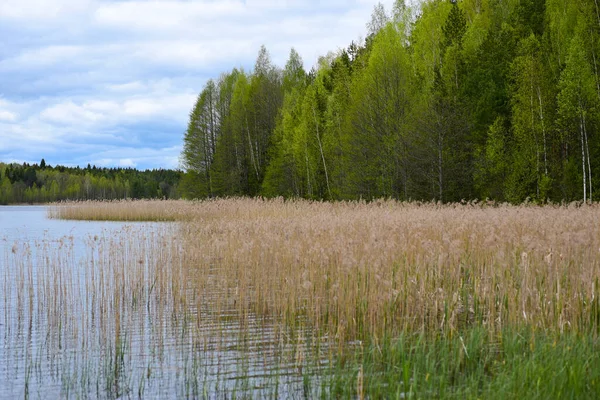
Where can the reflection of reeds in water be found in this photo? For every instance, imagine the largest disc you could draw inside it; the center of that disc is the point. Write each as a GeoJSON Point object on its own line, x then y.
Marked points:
{"type": "Point", "coordinates": [124, 320]}
{"type": "Point", "coordinates": [305, 274]}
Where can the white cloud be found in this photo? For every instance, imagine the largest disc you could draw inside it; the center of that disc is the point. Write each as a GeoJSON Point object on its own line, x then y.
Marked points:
{"type": "Point", "coordinates": [7, 116]}
{"type": "Point", "coordinates": [165, 106]}
{"type": "Point", "coordinates": [127, 163]}
{"type": "Point", "coordinates": [41, 9]}
{"type": "Point", "coordinates": [69, 113]}
{"type": "Point", "coordinates": [46, 56]}
{"type": "Point", "coordinates": [126, 87]}
{"type": "Point", "coordinates": [165, 14]}
{"type": "Point", "coordinates": [8, 111]}
{"type": "Point", "coordinates": [132, 103]}
{"type": "Point", "coordinates": [133, 157]}
{"type": "Point", "coordinates": [78, 74]}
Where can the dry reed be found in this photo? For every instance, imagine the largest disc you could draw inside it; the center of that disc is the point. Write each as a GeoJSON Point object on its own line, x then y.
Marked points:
{"type": "Point", "coordinates": [119, 210]}
{"type": "Point", "coordinates": [314, 277]}
{"type": "Point", "coordinates": [123, 314]}
{"type": "Point", "coordinates": [367, 270]}
{"type": "Point", "coordinates": [371, 269]}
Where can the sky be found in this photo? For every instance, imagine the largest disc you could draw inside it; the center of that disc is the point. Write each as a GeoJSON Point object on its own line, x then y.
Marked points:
{"type": "Point", "coordinates": [111, 82]}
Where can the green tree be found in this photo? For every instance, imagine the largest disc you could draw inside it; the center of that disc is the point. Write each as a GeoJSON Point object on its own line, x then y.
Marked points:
{"type": "Point", "coordinates": [577, 104]}
{"type": "Point", "coordinates": [226, 170]}
{"type": "Point", "coordinates": [6, 191]}
{"type": "Point", "coordinates": [531, 98]}
{"type": "Point", "coordinates": [281, 176]}
{"type": "Point", "coordinates": [201, 137]}
{"type": "Point", "coordinates": [377, 160]}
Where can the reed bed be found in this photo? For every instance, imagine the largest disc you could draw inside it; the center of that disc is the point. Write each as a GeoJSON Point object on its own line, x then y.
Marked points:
{"type": "Point", "coordinates": [120, 210]}
{"type": "Point", "coordinates": [121, 320]}
{"type": "Point", "coordinates": [424, 300]}
{"type": "Point", "coordinates": [367, 270]}
{"type": "Point", "coordinates": [392, 296]}
{"type": "Point", "coordinates": [358, 269]}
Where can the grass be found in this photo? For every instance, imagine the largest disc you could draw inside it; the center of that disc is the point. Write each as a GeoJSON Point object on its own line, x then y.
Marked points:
{"type": "Point", "coordinates": [119, 210]}
{"type": "Point", "coordinates": [515, 364]}
{"type": "Point", "coordinates": [400, 299]}
{"type": "Point", "coordinates": [120, 320]}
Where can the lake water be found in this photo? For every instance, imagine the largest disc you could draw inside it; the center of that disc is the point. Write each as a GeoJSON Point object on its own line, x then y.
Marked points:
{"type": "Point", "coordinates": [108, 310]}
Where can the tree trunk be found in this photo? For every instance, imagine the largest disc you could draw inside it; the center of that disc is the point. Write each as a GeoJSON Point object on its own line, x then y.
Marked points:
{"type": "Point", "coordinates": [321, 150]}
{"type": "Point", "coordinates": [252, 157]}
{"type": "Point", "coordinates": [440, 165]}
{"type": "Point", "coordinates": [587, 148]}
{"type": "Point", "coordinates": [308, 186]}
{"type": "Point", "coordinates": [595, 63]}
{"type": "Point", "coordinates": [535, 138]}
{"type": "Point", "coordinates": [583, 158]}
{"type": "Point", "coordinates": [543, 131]}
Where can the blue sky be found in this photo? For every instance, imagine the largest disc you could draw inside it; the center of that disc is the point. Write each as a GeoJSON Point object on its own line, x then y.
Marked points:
{"type": "Point", "coordinates": [111, 83]}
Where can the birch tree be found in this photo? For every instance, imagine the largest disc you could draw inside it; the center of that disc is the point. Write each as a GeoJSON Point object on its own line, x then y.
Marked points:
{"type": "Point", "coordinates": [200, 139]}
{"type": "Point", "coordinates": [577, 102]}
{"type": "Point", "coordinates": [530, 102]}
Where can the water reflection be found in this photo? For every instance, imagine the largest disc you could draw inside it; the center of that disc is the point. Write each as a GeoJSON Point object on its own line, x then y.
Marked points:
{"type": "Point", "coordinates": [111, 310]}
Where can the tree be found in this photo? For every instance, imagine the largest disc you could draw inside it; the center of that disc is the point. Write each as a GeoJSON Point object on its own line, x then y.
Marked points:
{"type": "Point", "coordinates": [445, 146]}
{"type": "Point", "coordinates": [281, 174]}
{"type": "Point", "coordinates": [379, 20]}
{"type": "Point", "coordinates": [377, 160]}
{"type": "Point", "coordinates": [310, 135]}
{"type": "Point", "coordinates": [577, 102]}
{"type": "Point", "coordinates": [265, 97]}
{"type": "Point", "coordinates": [530, 100]}
{"type": "Point", "coordinates": [6, 191]}
{"type": "Point", "coordinates": [201, 137]}
{"type": "Point", "coordinates": [227, 164]}
{"type": "Point", "coordinates": [462, 99]}
{"type": "Point", "coordinates": [294, 75]}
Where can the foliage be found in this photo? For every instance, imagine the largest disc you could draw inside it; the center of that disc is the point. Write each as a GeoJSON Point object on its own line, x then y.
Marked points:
{"type": "Point", "coordinates": [445, 100]}
{"type": "Point", "coordinates": [515, 364]}
{"type": "Point", "coordinates": [25, 183]}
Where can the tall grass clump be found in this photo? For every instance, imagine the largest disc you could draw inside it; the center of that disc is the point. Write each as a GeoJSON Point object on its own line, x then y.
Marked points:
{"type": "Point", "coordinates": [359, 270]}
{"type": "Point", "coordinates": [399, 299]}
{"type": "Point", "coordinates": [471, 279]}
{"type": "Point", "coordinates": [119, 210]}
{"type": "Point", "coordinates": [118, 318]}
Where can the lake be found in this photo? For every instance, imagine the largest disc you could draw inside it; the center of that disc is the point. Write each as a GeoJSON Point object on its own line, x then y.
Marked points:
{"type": "Point", "coordinates": [112, 310]}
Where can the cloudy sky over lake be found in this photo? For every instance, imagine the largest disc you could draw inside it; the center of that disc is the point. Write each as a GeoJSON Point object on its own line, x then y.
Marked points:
{"type": "Point", "coordinates": [111, 83]}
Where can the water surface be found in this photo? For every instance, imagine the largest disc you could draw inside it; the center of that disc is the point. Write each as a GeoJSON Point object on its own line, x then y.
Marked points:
{"type": "Point", "coordinates": [108, 310]}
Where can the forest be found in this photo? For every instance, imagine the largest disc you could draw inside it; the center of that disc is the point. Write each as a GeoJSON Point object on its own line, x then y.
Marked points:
{"type": "Point", "coordinates": [42, 183]}
{"type": "Point", "coordinates": [443, 101]}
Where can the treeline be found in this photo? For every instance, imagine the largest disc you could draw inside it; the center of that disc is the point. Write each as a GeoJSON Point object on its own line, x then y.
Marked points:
{"type": "Point", "coordinates": [24, 183]}
{"type": "Point", "coordinates": [451, 100]}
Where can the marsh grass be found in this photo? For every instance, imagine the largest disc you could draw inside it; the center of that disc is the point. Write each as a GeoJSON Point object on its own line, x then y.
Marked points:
{"type": "Point", "coordinates": [514, 364]}
{"type": "Point", "coordinates": [122, 321]}
{"type": "Point", "coordinates": [119, 210]}
{"type": "Point", "coordinates": [379, 299]}
{"type": "Point", "coordinates": [358, 270]}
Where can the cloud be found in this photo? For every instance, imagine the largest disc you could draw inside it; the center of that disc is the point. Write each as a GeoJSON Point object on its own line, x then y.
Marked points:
{"type": "Point", "coordinates": [133, 157]}
{"type": "Point", "coordinates": [128, 103]}
{"type": "Point", "coordinates": [69, 113]}
{"type": "Point", "coordinates": [41, 9]}
{"type": "Point", "coordinates": [127, 163]}
{"type": "Point", "coordinates": [7, 116]}
{"type": "Point", "coordinates": [8, 111]}
{"type": "Point", "coordinates": [113, 81]}
{"type": "Point", "coordinates": [165, 14]}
